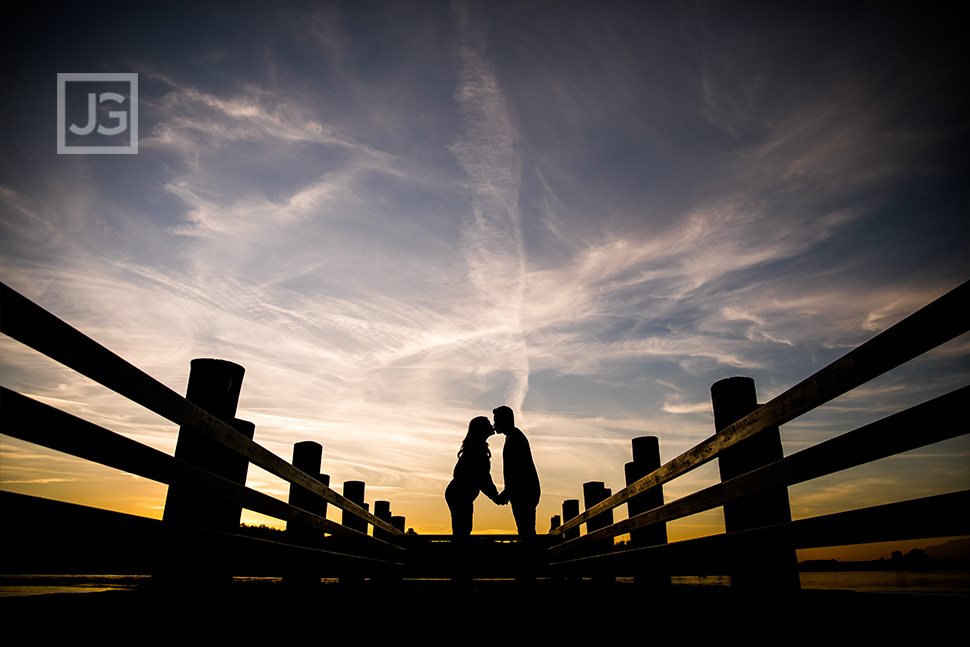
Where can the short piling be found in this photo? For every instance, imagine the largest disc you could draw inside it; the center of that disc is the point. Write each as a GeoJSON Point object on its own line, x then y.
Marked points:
{"type": "Point", "coordinates": [646, 459]}
{"type": "Point", "coordinates": [593, 493]}
{"type": "Point", "coordinates": [354, 492]}
{"type": "Point", "coordinates": [766, 567]}
{"type": "Point", "coordinates": [213, 386]}
{"type": "Point", "coordinates": [306, 457]}
{"type": "Point", "coordinates": [570, 510]}
{"type": "Point", "coordinates": [382, 510]}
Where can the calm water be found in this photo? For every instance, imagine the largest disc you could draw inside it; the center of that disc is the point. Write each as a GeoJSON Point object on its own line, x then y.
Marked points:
{"type": "Point", "coordinates": [20, 585]}
{"type": "Point", "coordinates": [955, 583]}
{"type": "Point", "coordinates": [951, 583]}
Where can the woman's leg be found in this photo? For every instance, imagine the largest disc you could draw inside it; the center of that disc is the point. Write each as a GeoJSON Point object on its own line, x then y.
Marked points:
{"type": "Point", "coordinates": [461, 507]}
{"type": "Point", "coordinates": [462, 510]}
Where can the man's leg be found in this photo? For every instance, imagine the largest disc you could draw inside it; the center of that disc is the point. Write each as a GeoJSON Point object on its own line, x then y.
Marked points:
{"type": "Point", "coordinates": [524, 513]}
{"type": "Point", "coordinates": [525, 523]}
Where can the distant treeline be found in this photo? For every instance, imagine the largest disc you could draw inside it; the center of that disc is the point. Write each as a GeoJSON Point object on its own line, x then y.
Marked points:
{"type": "Point", "coordinates": [262, 531]}
{"type": "Point", "coordinates": [915, 560]}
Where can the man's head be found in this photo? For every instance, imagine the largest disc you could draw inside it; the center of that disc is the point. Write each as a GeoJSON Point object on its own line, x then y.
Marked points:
{"type": "Point", "coordinates": [504, 419]}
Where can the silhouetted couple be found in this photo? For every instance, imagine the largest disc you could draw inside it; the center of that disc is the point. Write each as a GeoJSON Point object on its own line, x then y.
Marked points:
{"type": "Point", "coordinates": [472, 475]}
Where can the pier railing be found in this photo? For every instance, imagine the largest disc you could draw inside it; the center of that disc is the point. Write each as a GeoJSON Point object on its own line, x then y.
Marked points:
{"type": "Point", "coordinates": [760, 538]}
{"type": "Point", "coordinates": [200, 533]}
{"type": "Point", "coordinates": [200, 530]}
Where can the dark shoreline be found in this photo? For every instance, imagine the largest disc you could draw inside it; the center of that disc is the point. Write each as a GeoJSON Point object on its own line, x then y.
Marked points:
{"type": "Point", "coordinates": [247, 609]}
{"type": "Point", "coordinates": [888, 566]}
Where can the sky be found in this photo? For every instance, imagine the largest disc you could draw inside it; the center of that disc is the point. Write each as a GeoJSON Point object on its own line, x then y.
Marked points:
{"type": "Point", "coordinates": [400, 215]}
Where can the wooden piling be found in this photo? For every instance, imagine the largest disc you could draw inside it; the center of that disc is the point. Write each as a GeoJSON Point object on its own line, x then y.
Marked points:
{"type": "Point", "coordinates": [646, 459]}
{"type": "Point", "coordinates": [764, 567]}
{"type": "Point", "coordinates": [354, 491]}
{"type": "Point", "coordinates": [213, 386]}
{"type": "Point", "coordinates": [570, 510]}
{"type": "Point", "coordinates": [593, 493]}
{"type": "Point", "coordinates": [398, 522]}
{"type": "Point", "coordinates": [382, 510]}
{"type": "Point", "coordinates": [306, 457]}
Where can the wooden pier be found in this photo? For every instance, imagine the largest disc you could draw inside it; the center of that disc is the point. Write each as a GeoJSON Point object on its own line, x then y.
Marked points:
{"type": "Point", "coordinates": [200, 537]}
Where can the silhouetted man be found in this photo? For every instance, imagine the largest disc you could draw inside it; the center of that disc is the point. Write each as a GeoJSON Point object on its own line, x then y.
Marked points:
{"type": "Point", "coordinates": [521, 477]}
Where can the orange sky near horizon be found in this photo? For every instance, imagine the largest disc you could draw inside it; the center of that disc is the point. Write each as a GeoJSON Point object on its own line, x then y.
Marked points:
{"type": "Point", "coordinates": [99, 486]}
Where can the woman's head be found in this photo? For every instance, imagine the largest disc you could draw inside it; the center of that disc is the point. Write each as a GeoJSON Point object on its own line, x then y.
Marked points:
{"type": "Point", "coordinates": [479, 429]}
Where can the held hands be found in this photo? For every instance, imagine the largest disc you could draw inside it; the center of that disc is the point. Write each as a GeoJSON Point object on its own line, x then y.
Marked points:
{"type": "Point", "coordinates": [502, 499]}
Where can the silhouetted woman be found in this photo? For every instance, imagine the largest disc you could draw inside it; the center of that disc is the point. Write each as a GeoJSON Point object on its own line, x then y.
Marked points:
{"type": "Point", "coordinates": [471, 476]}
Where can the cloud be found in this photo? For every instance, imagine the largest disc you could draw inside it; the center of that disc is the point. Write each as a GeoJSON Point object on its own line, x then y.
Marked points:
{"type": "Point", "coordinates": [491, 239]}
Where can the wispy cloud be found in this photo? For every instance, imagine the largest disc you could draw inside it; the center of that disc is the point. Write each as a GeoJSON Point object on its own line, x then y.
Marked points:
{"type": "Point", "coordinates": [491, 239]}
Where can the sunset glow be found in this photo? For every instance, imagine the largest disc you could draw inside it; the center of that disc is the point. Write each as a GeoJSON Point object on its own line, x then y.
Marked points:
{"type": "Point", "coordinates": [398, 216]}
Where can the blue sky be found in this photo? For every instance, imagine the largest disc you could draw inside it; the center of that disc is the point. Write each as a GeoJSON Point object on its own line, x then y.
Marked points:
{"type": "Point", "coordinates": [399, 215]}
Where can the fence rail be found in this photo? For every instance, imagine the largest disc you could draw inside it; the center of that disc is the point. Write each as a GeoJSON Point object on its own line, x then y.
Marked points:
{"type": "Point", "coordinates": [42, 424]}
{"type": "Point", "coordinates": [935, 516]}
{"type": "Point", "coordinates": [940, 419]}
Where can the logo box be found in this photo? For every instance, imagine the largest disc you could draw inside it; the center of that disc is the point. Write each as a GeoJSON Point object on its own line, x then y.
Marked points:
{"type": "Point", "coordinates": [97, 113]}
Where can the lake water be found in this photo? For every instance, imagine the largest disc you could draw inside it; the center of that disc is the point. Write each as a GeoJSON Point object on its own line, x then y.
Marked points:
{"type": "Point", "coordinates": [953, 583]}
{"type": "Point", "coordinates": [21, 585]}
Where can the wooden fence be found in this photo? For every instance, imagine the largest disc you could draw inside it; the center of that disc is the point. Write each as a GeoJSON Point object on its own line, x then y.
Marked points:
{"type": "Point", "coordinates": [199, 532]}
{"type": "Point", "coordinates": [757, 547]}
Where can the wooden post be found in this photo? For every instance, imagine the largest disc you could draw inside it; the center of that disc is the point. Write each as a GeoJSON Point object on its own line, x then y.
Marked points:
{"type": "Point", "coordinates": [214, 386]}
{"type": "Point", "coordinates": [593, 493]}
{"type": "Point", "coordinates": [382, 510]}
{"type": "Point", "coordinates": [354, 491]}
{"type": "Point", "coordinates": [773, 567]}
{"type": "Point", "coordinates": [646, 459]}
{"type": "Point", "coordinates": [554, 523]}
{"type": "Point", "coordinates": [306, 458]}
{"type": "Point", "coordinates": [570, 510]}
